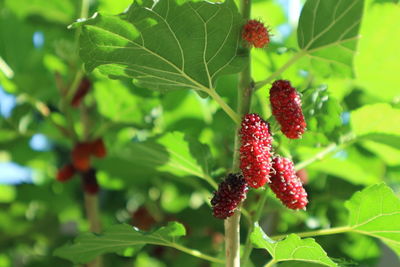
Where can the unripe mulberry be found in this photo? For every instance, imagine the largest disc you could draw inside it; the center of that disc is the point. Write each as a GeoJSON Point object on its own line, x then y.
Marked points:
{"type": "Point", "coordinates": [255, 151]}
{"type": "Point", "coordinates": [256, 34]}
{"type": "Point", "coordinates": [98, 148]}
{"type": "Point", "coordinates": [89, 182]}
{"type": "Point", "coordinates": [286, 107]}
{"type": "Point", "coordinates": [230, 193]}
{"type": "Point", "coordinates": [286, 185]}
{"type": "Point", "coordinates": [81, 156]}
{"type": "Point", "coordinates": [65, 173]}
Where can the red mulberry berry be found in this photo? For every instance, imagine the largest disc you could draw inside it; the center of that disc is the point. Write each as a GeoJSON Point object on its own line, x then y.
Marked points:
{"type": "Point", "coordinates": [98, 148]}
{"type": "Point", "coordinates": [230, 193]}
{"type": "Point", "coordinates": [89, 182]}
{"type": "Point", "coordinates": [286, 185]}
{"type": "Point", "coordinates": [256, 34]}
{"type": "Point", "coordinates": [81, 92]}
{"type": "Point", "coordinates": [255, 151]}
{"type": "Point", "coordinates": [286, 107]}
{"type": "Point", "coordinates": [65, 173]}
{"type": "Point", "coordinates": [81, 156]}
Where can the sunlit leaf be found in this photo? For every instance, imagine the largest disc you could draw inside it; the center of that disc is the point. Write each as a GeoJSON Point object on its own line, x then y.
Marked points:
{"type": "Point", "coordinates": [292, 248]}
{"type": "Point", "coordinates": [376, 119]}
{"type": "Point", "coordinates": [377, 62]}
{"type": "Point", "coordinates": [328, 33]}
{"type": "Point", "coordinates": [375, 211]}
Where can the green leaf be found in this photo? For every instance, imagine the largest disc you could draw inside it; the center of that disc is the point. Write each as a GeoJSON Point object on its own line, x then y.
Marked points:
{"type": "Point", "coordinates": [169, 153]}
{"type": "Point", "coordinates": [376, 119]}
{"type": "Point", "coordinates": [377, 60]}
{"type": "Point", "coordinates": [292, 248]}
{"type": "Point", "coordinates": [165, 46]}
{"type": "Point", "coordinates": [328, 33]}
{"type": "Point", "coordinates": [116, 239]}
{"type": "Point", "coordinates": [375, 211]}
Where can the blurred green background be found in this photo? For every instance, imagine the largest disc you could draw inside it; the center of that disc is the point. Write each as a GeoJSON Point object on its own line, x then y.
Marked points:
{"type": "Point", "coordinates": [143, 181]}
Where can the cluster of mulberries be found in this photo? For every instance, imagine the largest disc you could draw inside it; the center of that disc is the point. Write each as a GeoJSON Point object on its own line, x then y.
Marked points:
{"type": "Point", "coordinates": [255, 151]}
{"type": "Point", "coordinates": [256, 163]}
{"type": "Point", "coordinates": [286, 185]}
{"type": "Point", "coordinates": [80, 157]}
{"type": "Point", "coordinates": [83, 151]}
{"type": "Point", "coordinates": [230, 193]}
{"type": "Point", "coordinates": [255, 34]}
{"type": "Point", "coordinates": [286, 107]}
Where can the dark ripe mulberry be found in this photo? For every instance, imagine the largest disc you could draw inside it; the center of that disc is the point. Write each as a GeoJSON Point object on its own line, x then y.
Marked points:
{"type": "Point", "coordinates": [81, 156]}
{"type": "Point", "coordinates": [255, 34]}
{"type": "Point", "coordinates": [286, 185]}
{"type": "Point", "coordinates": [286, 107]}
{"type": "Point", "coordinates": [98, 148]}
{"type": "Point", "coordinates": [89, 182]}
{"type": "Point", "coordinates": [65, 173]}
{"type": "Point", "coordinates": [230, 193]}
{"type": "Point", "coordinates": [255, 151]}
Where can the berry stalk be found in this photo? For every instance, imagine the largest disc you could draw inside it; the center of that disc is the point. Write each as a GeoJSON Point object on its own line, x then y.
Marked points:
{"type": "Point", "coordinates": [245, 91]}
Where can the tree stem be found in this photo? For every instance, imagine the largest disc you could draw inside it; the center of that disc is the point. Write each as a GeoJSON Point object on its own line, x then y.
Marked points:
{"type": "Point", "coordinates": [92, 214]}
{"type": "Point", "coordinates": [197, 253]}
{"type": "Point", "coordinates": [248, 246]}
{"type": "Point", "coordinates": [224, 106]}
{"type": "Point", "coordinates": [245, 90]}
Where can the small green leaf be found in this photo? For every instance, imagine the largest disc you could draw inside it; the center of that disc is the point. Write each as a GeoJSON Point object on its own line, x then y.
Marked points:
{"type": "Point", "coordinates": [375, 211]}
{"type": "Point", "coordinates": [328, 33]}
{"type": "Point", "coordinates": [165, 46]}
{"type": "Point", "coordinates": [116, 239]}
{"type": "Point", "coordinates": [292, 248]}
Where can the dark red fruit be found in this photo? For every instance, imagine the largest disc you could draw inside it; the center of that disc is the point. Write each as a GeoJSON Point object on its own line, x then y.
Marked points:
{"type": "Point", "coordinates": [81, 92]}
{"type": "Point", "coordinates": [256, 34]}
{"type": "Point", "coordinates": [230, 193]}
{"type": "Point", "coordinates": [65, 173]}
{"type": "Point", "coordinates": [89, 182]}
{"type": "Point", "coordinates": [255, 151]}
{"type": "Point", "coordinates": [98, 148]}
{"type": "Point", "coordinates": [286, 185]}
{"type": "Point", "coordinates": [81, 156]}
{"type": "Point", "coordinates": [286, 107]}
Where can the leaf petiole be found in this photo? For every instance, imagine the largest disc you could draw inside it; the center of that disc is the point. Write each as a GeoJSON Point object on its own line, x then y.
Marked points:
{"type": "Point", "coordinates": [290, 62]}
{"type": "Point", "coordinates": [228, 110]}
